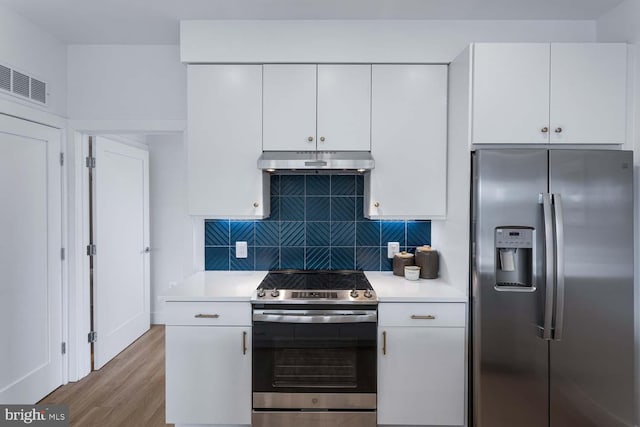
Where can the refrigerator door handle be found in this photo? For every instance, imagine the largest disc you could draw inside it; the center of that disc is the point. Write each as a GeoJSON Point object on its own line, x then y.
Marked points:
{"type": "Point", "coordinates": [549, 266]}
{"type": "Point", "coordinates": [559, 309]}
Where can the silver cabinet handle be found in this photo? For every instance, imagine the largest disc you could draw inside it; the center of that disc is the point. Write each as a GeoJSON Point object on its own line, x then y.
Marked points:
{"type": "Point", "coordinates": [423, 317]}
{"type": "Point", "coordinates": [256, 204]}
{"type": "Point", "coordinates": [558, 130]}
{"type": "Point", "coordinates": [559, 219]}
{"type": "Point", "coordinates": [206, 316]}
{"type": "Point", "coordinates": [376, 204]}
{"type": "Point", "coordinates": [146, 250]}
{"type": "Point", "coordinates": [549, 266]}
{"type": "Point", "coordinates": [544, 129]}
{"type": "Point", "coordinates": [310, 139]}
{"type": "Point", "coordinates": [322, 139]}
{"type": "Point", "coordinates": [384, 342]}
{"type": "Point", "coordinates": [244, 342]}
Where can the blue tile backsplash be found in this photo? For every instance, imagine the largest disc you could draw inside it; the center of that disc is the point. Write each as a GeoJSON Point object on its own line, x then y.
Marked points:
{"type": "Point", "coordinates": [316, 223]}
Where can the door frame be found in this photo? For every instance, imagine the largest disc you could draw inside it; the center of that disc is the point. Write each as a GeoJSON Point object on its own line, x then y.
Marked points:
{"type": "Point", "coordinates": [30, 114]}
{"type": "Point", "coordinates": [79, 307]}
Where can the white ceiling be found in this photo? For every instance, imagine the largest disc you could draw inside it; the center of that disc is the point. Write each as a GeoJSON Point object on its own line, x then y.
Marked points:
{"type": "Point", "coordinates": [157, 21]}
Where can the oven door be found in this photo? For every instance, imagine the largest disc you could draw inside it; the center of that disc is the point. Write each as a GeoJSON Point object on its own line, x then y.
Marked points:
{"type": "Point", "coordinates": [322, 352]}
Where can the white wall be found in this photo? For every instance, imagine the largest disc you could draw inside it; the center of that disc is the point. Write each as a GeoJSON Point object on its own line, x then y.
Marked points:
{"type": "Point", "coordinates": [171, 225]}
{"type": "Point", "coordinates": [622, 24]}
{"type": "Point", "coordinates": [29, 49]}
{"type": "Point", "coordinates": [361, 40]}
{"type": "Point", "coordinates": [126, 83]}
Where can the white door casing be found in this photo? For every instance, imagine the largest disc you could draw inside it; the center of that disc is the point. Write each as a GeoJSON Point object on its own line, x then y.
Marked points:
{"type": "Point", "coordinates": [30, 261]}
{"type": "Point", "coordinates": [121, 295]}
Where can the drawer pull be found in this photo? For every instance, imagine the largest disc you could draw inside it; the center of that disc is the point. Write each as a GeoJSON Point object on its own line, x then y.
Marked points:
{"type": "Point", "coordinates": [419, 317]}
{"type": "Point", "coordinates": [206, 316]}
{"type": "Point", "coordinates": [244, 343]}
{"type": "Point", "coordinates": [384, 342]}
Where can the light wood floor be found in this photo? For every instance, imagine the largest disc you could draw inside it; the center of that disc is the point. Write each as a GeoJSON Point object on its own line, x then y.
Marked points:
{"type": "Point", "coordinates": [127, 391]}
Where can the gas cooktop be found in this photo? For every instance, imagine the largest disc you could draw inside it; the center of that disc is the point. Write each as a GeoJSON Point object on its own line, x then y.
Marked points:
{"type": "Point", "coordinates": [315, 286]}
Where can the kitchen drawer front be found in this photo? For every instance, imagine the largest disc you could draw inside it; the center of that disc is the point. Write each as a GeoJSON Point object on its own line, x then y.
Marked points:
{"type": "Point", "coordinates": [208, 313]}
{"type": "Point", "coordinates": [422, 314]}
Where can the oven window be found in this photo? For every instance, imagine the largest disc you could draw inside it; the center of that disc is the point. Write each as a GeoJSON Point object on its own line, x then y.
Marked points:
{"type": "Point", "coordinates": [332, 358]}
{"type": "Point", "coordinates": [316, 368]}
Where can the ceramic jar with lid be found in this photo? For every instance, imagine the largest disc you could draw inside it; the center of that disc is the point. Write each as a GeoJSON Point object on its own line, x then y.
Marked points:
{"type": "Point", "coordinates": [400, 261]}
{"type": "Point", "coordinates": [428, 261]}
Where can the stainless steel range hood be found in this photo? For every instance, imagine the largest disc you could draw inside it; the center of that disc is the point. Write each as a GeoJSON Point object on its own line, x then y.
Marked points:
{"type": "Point", "coordinates": [273, 161]}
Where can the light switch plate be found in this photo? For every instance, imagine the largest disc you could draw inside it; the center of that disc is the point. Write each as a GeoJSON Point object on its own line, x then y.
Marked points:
{"type": "Point", "coordinates": [241, 249]}
{"type": "Point", "coordinates": [392, 249]}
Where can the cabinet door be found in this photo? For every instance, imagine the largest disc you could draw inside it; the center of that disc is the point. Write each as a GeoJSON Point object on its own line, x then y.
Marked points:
{"type": "Point", "coordinates": [289, 103]}
{"type": "Point", "coordinates": [344, 107]}
{"type": "Point", "coordinates": [588, 93]}
{"type": "Point", "coordinates": [510, 93]}
{"type": "Point", "coordinates": [224, 141]}
{"type": "Point", "coordinates": [408, 141]}
{"type": "Point", "coordinates": [421, 376]}
{"type": "Point", "coordinates": [208, 375]}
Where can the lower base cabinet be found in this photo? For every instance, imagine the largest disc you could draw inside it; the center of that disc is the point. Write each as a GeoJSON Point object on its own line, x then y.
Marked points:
{"type": "Point", "coordinates": [421, 368]}
{"type": "Point", "coordinates": [208, 375]}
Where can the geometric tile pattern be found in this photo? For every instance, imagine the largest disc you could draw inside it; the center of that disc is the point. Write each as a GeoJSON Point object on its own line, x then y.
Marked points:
{"type": "Point", "coordinates": [316, 223]}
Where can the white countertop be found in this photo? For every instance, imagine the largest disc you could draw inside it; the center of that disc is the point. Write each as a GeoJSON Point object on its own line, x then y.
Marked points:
{"type": "Point", "coordinates": [216, 286]}
{"type": "Point", "coordinates": [239, 285]}
{"type": "Point", "coordinates": [390, 288]}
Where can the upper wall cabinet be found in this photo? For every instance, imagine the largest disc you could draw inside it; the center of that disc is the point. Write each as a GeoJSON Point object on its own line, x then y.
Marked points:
{"type": "Point", "coordinates": [533, 93]}
{"type": "Point", "coordinates": [224, 140]}
{"type": "Point", "coordinates": [316, 107]}
{"type": "Point", "coordinates": [408, 142]}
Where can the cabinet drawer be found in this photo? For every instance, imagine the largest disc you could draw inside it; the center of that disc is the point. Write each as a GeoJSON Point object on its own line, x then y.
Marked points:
{"type": "Point", "coordinates": [208, 313]}
{"type": "Point", "coordinates": [421, 314]}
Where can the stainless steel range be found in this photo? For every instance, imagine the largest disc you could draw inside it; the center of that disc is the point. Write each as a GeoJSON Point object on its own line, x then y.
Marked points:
{"type": "Point", "coordinates": [314, 350]}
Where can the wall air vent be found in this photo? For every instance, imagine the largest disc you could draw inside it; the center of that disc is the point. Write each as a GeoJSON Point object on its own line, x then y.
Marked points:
{"type": "Point", "coordinates": [22, 85]}
{"type": "Point", "coordinates": [5, 78]}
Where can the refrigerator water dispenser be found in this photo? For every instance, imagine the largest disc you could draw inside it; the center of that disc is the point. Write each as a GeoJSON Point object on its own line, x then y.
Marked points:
{"type": "Point", "coordinates": [514, 258]}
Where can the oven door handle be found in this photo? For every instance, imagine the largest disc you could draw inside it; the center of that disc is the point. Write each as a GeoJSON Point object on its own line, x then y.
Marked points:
{"type": "Point", "coordinates": [310, 316]}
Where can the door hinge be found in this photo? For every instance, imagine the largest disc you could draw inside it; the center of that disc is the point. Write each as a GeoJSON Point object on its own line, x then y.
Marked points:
{"type": "Point", "coordinates": [91, 250]}
{"type": "Point", "coordinates": [93, 336]}
{"type": "Point", "coordinates": [62, 254]}
{"type": "Point", "coordinates": [90, 162]}
{"type": "Point", "coordinates": [61, 159]}
{"type": "Point", "coordinates": [64, 348]}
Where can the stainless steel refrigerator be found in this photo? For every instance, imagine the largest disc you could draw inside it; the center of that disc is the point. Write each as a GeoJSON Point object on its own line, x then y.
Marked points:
{"type": "Point", "coordinates": [552, 288]}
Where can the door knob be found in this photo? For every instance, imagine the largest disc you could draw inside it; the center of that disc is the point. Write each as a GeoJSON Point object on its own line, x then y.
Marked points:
{"type": "Point", "coordinates": [544, 129]}
{"type": "Point", "coordinates": [322, 139]}
{"type": "Point", "coordinates": [376, 204]}
{"type": "Point", "coordinates": [256, 204]}
{"type": "Point", "coordinates": [310, 139]}
{"type": "Point", "coordinates": [558, 130]}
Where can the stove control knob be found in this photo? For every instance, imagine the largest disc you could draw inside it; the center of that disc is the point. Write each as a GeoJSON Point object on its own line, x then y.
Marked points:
{"type": "Point", "coordinates": [367, 293]}
{"type": "Point", "coordinates": [275, 293]}
{"type": "Point", "coordinates": [354, 294]}
{"type": "Point", "coordinates": [261, 293]}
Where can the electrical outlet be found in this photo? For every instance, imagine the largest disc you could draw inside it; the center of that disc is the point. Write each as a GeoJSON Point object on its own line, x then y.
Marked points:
{"type": "Point", "coordinates": [392, 249]}
{"type": "Point", "coordinates": [241, 249]}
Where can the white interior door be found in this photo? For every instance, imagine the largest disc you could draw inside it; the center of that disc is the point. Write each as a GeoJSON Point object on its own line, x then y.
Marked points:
{"type": "Point", "coordinates": [30, 262]}
{"type": "Point", "coordinates": [121, 235]}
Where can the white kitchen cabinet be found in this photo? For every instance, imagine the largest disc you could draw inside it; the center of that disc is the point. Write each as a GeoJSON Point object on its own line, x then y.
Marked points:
{"type": "Point", "coordinates": [208, 366]}
{"type": "Point", "coordinates": [408, 142]}
{"type": "Point", "coordinates": [537, 93]}
{"type": "Point", "coordinates": [317, 107]}
{"type": "Point", "coordinates": [224, 141]}
{"type": "Point", "coordinates": [421, 368]}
